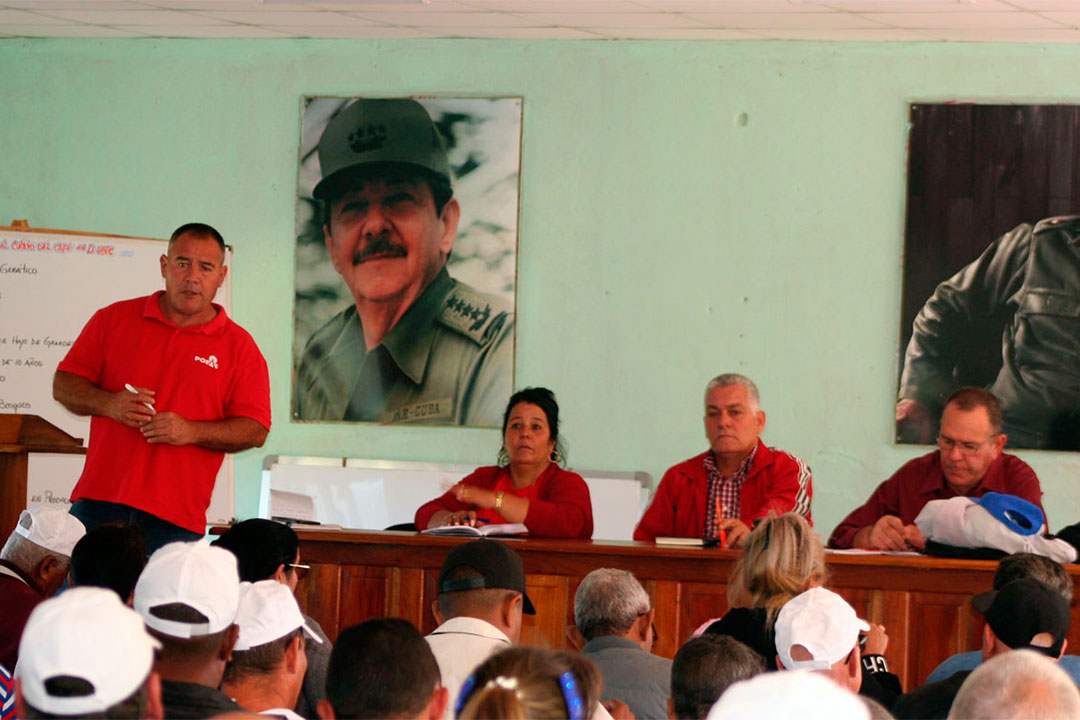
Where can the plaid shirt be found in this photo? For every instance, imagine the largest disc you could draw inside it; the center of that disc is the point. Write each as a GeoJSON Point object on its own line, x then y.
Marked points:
{"type": "Point", "coordinates": [723, 493]}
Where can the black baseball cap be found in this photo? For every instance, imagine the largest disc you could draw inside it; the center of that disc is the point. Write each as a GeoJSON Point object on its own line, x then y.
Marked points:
{"type": "Point", "coordinates": [1023, 609]}
{"type": "Point", "coordinates": [499, 566]}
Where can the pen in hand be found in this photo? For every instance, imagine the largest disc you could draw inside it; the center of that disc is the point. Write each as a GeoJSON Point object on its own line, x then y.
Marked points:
{"type": "Point", "coordinates": [131, 389]}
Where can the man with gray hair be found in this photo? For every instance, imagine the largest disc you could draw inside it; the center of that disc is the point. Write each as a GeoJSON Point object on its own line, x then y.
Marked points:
{"type": "Point", "coordinates": [614, 616]}
{"type": "Point", "coordinates": [1021, 684]}
{"type": "Point", "coordinates": [33, 564]}
{"type": "Point", "coordinates": [720, 494]}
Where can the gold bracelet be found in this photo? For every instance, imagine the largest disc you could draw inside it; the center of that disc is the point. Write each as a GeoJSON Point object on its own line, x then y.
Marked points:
{"type": "Point", "coordinates": [498, 501]}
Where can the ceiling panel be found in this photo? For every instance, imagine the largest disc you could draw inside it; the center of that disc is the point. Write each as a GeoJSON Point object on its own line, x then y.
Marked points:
{"type": "Point", "coordinates": [842, 20]}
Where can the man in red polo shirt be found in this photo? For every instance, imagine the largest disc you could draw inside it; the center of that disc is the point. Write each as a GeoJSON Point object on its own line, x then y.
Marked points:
{"type": "Point", "coordinates": [737, 482]}
{"type": "Point", "coordinates": [969, 461]}
{"type": "Point", "coordinates": [199, 389]}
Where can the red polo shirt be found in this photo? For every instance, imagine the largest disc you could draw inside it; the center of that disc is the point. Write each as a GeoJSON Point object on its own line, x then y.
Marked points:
{"type": "Point", "coordinates": [211, 371]}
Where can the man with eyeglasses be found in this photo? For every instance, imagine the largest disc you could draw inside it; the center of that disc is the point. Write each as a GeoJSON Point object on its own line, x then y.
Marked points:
{"type": "Point", "coordinates": [969, 461]}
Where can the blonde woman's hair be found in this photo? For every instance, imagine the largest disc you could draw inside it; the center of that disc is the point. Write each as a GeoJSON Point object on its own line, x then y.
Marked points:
{"type": "Point", "coordinates": [781, 558]}
{"type": "Point", "coordinates": [525, 683]}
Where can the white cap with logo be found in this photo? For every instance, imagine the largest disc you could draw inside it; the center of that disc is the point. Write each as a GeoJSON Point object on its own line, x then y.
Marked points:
{"type": "Point", "coordinates": [83, 652]}
{"type": "Point", "coordinates": [53, 529]}
{"type": "Point", "coordinates": [267, 612]}
{"type": "Point", "coordinates": [820, 621]}
{"type": "Point", "coordinates": [195, 574]}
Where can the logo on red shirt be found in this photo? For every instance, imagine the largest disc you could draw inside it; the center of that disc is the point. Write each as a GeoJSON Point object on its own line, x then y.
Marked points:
{"type": "Point", "coordinates": [210, 361]}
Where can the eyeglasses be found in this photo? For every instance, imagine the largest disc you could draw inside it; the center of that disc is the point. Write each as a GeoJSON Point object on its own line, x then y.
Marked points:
{"type": "Point", "coordinates": [946, 444]}
{"type": "Point", "coordinates": [300, 570]}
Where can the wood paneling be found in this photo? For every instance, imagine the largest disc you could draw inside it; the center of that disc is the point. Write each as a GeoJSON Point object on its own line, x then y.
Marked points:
{"type": "Point", "coordinates": [922, 602]}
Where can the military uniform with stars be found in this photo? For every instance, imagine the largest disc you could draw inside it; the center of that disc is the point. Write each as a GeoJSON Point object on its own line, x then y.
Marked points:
{"type": "Point", "coordinates": [449, 359]}
{"type": "Point", "coordinates": [1028, 279]}
{"type": "Point", "coordinates": [446, 362]}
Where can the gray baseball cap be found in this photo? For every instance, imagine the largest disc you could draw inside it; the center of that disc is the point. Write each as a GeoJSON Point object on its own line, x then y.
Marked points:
{"type": "Point", "coordinates": [369, 132]}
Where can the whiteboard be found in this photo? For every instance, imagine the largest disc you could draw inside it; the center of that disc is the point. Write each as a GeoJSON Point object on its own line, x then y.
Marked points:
{"type": "Point", "coordinates": [50, 284]}
{"type": "Point", "coordinates": [375, 494]}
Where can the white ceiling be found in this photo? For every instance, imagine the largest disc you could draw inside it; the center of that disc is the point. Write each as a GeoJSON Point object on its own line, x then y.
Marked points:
{"type": "Point", "coordinates": [1038, 21]}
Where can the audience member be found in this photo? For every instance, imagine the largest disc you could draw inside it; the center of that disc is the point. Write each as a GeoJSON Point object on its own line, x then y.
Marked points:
{"type": "Point", "coordinates": [85, 655]}
{"type": "Point", "coordinates": [531, 684]}
{"type": "Point", "coordinates": [734, 484]}
{"type": "Point", "coordinates": [1022, 614]}
{"type": "Point", "coordinates": [1021, 685]}
{"type": "Point", "coordinates": [481, 600]}
{"type": "Point", "coordinates": [110, 556]}
{"type": "Point", "coordinates": [969, 461]}
{"type": "Point", "coordinates": [703, 669]}
{"type": "Point", "coordinates": [33, 564]}
{"type": "Point", "coordinates": [268, 550]}
{"type": "Point", "coordinates": [615, 617]}
{"type": "Point", "coordinates": [269, 658]}
{"type": "Point", "coordinates": [187, 595]}
{"type": "Point", "coordinates": [819, 631]}
{"type": "Point", "coordinates": [796, 695]}
{"type": "Point", "coordinates": [1015, 567]}
{"type": "Point", "coordinates": [383, 669]}
{"type": "Point", "coordinates": [781, 558]}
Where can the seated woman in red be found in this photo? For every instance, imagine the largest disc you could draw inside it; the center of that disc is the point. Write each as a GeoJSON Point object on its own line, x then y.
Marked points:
{"type": "Point", "coordinates": [527, 486]}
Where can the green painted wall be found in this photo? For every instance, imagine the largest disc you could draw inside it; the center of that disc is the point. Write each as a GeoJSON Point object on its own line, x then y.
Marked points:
{"type": "Point", "coordinates": [662, 241]}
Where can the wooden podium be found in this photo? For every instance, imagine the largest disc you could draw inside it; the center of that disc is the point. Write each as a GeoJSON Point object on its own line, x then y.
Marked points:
{"type": "Point", "coordinates": [21, 435]}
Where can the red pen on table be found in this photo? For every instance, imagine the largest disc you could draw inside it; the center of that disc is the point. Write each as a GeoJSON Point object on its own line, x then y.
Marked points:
{"type": "Point", "coordinates": [721, 535]}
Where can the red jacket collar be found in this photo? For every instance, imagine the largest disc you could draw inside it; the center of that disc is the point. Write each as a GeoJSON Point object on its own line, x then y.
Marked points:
{"type": "Point", "coordinates": [762, 459]}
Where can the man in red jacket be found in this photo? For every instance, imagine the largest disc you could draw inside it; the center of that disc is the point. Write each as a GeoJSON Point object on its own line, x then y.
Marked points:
{"type": "Point", "coordinates": [736, 482]}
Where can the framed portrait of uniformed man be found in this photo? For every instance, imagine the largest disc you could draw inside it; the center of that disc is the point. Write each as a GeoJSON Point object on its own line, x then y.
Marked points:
{"type": "Point", "coordinates": [406, 260]}
{"type": "Point", "coordinates": [991, 279]}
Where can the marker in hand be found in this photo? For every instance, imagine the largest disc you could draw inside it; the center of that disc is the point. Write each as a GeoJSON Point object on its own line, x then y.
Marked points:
{"type": "Point", "coordinates": [131, 389]}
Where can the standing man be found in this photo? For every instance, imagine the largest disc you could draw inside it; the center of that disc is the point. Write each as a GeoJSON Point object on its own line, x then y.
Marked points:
{"type": "Point", "coordinates": [969, 461]}
{"type": "Point", "coordinates": [415, 345]}
{"type": "Point", "coordinates": [736, 482]}
{"type": "Point", "coordinates": [201, 389]}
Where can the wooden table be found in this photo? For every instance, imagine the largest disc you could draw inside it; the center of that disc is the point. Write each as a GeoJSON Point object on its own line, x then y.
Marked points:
{"type": "Point", "coordinates": [922, 602]}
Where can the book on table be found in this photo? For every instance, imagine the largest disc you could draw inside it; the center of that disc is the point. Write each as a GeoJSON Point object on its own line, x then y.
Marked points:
{"type": "Point", "coordinates": [479, 530]}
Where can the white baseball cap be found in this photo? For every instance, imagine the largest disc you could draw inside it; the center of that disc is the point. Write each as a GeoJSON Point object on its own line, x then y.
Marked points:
{"type": "Point", "coordinates": [798, 695]}
{"type": "Point", "coordinates": [84, 633]}
{"type": "Point", "coordinates": [195, 574]}
{"type": "Point", "coordinates": [823, 623]}
{"type": "Point", "coordinates": [53, 529]}
{"type": "Point", "coordinates": [267, 612]}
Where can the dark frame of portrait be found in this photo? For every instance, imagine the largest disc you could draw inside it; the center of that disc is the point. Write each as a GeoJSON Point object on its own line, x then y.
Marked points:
{"type": "Point", "coordinates": [482, 137]}
{"type": "Point", "coordinates": [977, 173]}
